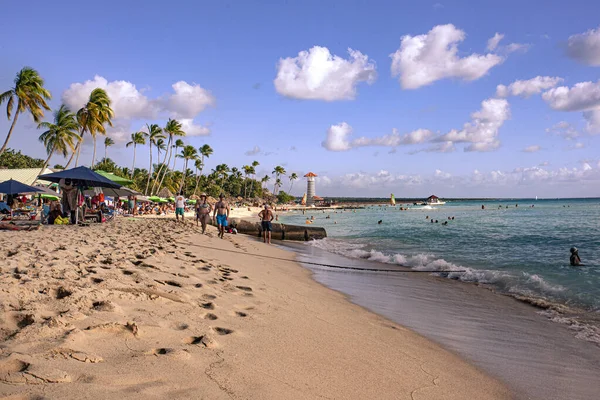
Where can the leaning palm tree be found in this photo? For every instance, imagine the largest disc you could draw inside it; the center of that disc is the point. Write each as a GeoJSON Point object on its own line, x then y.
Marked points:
{"type": "Point", "coordinates": [187, 153]}
{"type": "Point", "coordinates": [172, 129]}
{"type": "Point", "coordinates": [60, 136]}
{"type": "Point", "coordinates": [107, 143]}
{"type": "Point", "coordinates": [153, 135]}
{"type": "Point", "coordinates": [136, 138]}
{"type": "Point", "coordinates": [91, 118]}
{"type": "Point", "coordinates": [277, 171]}
{"type": "Point", "coordinates": [178, 144]}
{"type": "Point", "coordinates": [160, 145]}
{"type": "Point", "coordinates": [293, 177]}
{"type": "Point", "coordinates": [254, 165]}
{"type": "Point", "coordinates": [30, 95]}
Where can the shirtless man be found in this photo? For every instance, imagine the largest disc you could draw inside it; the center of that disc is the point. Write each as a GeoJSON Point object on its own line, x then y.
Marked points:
{"type": "Point", "coordinates": [266, 216]}
{"type": "Point", "coordinates": [203, 210]}
{"type": "Point", "coordinates": [222, 215]}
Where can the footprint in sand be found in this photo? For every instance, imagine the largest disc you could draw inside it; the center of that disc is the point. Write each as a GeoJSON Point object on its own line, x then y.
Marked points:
{"type": "Point", "coordinates": [61, 293]}
{"type": "Point", "coordinates": [198, 285]}
{"type": "Point", "coordinates": [97, 280]}
{"type": "Point", "coordinates": [208, 306]}
{"type": "Point", "coordinates": [202, 340]}
{"type": "Point", "coordinates": [223, 331]}
{"type": "Point", "coordinates": [211, 316]}
{"type": "Point", "coordinates": [241, 314]}
{"type": "Point", "coordinates": [209, 296]}
{"type": "Point", "coordinates": [244, 288]}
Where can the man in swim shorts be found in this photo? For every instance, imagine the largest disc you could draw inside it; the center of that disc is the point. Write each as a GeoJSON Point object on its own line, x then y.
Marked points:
{"type": "Point", "coordinates": [266, 216]}
{"type": "Point", "coordinates": [203, 210]}
{"type": "Point", "coordinates": [179, 206]}
{"type": "Point", "coordinates": [222, 214]}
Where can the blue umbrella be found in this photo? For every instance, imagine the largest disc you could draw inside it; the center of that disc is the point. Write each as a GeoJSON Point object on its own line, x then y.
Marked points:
{"type": "Point", "coordinates": [81, 177]}
{"type": "Point", "coordinates": [15, 187]}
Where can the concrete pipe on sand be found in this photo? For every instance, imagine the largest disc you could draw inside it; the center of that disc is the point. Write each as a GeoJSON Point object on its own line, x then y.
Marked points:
{"type": "Point", "coordinates": [280, 231]}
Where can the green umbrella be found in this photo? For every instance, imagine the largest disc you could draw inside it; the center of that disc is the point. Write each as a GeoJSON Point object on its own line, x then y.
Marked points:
{"type": "Point", "coordinates": [191, 201]}
{"type": "Point", "coordinates": [114, 178]}
{"type": "Point", "coordinates": [155, 199]}
{"type": "Point", "coordinates": [49, 197]}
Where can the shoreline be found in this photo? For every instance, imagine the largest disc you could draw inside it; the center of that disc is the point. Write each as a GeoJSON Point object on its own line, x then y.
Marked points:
{"type": "Point", "coordinates": [507, 338]}
{"type": "Point", "coordinates": [256, 327]}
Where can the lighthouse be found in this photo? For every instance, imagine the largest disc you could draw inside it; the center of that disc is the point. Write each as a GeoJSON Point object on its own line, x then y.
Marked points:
{"type": "Point", "coordinates": [310, 188]}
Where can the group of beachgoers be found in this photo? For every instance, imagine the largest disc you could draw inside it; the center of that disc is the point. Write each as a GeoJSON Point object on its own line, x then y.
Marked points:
{"type": "Point", "coordinates": [220, 215]}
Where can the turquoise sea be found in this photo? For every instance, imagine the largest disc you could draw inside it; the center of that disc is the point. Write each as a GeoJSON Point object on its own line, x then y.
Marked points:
{"type": "Point", "coordinates": [517, 247]}
{"type": "Point", "coordinates": [550, 351]}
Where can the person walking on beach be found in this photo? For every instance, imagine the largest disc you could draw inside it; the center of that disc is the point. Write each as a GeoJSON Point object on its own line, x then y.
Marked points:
{"type": "Point", "coordinates": [266, 216]}
{"type": "Point", "coordinates": [203, 210]}
{"type": "Point", "coordinates": [222, 214]}
{"type": "Point", "coordinates": [179, 206]}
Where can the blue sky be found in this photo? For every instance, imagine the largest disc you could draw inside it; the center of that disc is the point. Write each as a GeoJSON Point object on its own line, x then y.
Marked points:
{"type": "Point", "coordinates": [227, 55]}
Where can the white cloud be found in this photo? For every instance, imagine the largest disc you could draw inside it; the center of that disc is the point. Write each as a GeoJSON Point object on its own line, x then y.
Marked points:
{"type": "Point", "coordinates": [593, 121]}
{"type": "Point", "coordinates": [394, 139]}
{"type": "Point", "coordinates": [493, 42]}
{"type": "Point", "coordinates": [564, 129]}
{"type": "Point", "coordinates": [514, 47]}
{"type": "Point", "coordinates": [187, 101]}
{"type": "Point", "coordinates": [532, 149]}
{"type": "Point", "coordinates": [337, 137]}
{"type": "Point", "coordinates": [585, 47]}
{"type": "Point", "coordinates": [126, 100]}
{"type": "Point", "coordinates": [482, 131]}
{"type": "Point", "coordinates": [316, 74]}
{"type": "Point", "coordinates": [528, 87]}
{"type": "Point", "coordinates": [581, 97]}
{"type": "Point", "coordinates": [424, 59]}
{"type": "Point", "coordinates": [254, 151]}
{"type": "Point", "coordinates": [438, 6]}
{"type": "Point", "coordinates": [578, 146]}
{"type": "Point", "coordinates": [129, 103]}
{"type": "Point", "coordinates": [443, 147]}
{"type": "Point", "coordinates": [192, 129]}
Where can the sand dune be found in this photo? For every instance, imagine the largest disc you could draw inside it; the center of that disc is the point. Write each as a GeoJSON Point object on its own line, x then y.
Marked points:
{"type": "Point", "coordinates": [151, 309]}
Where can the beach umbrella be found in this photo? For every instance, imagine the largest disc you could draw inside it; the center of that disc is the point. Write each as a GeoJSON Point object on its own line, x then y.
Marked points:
{"type": "Point", "coordinates": [115, 178]}
{"type": "Point", "coordinates": [121, 192]}
{"type": "Point", "coordinates": [191, 201]}
{"type": "Point", "coordinates": [15, 187]}
{"type": "Point", "coordinates": [155, 199]}
{"type": "Point", "coordinates": [49, 196]}
{"type": "Point", "coordinates": [82, 176]}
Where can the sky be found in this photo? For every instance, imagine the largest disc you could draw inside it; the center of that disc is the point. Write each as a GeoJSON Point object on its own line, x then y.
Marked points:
{"type": "Point", "coordinates": [453, 98]}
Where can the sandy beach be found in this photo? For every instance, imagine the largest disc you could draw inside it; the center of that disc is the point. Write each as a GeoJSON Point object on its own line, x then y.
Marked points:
{"type": "Point", "coordinates": [147, 308]}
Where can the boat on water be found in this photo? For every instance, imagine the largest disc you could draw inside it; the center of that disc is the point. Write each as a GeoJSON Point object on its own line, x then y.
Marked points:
{"type": "Point", "coordinates": [433, 201]}
{"type": "Point", "coordinates": [392, 200]}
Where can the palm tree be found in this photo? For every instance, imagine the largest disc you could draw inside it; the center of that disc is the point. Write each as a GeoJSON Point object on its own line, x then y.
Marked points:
{"type": "Point", "coordinates": [254, 165]}
{"type": "Point", "coordinates": [30, 95]}
{"type": "Point", "coordinates": [293, 177]}
{"type": "Point", "coordinates": [172, 128]}
{"type": "Point", "coordinates": [160, 145]}
{"type": "Point", "coordinates": [278, 171]}
{"type": "Point", "coordinates": [153, 135]}
{"type": "Point", "coordinates": [107, 143]}
{"type": "Point", "coordinates": [178, 143]}
{"type": "Point", "coordinates": [199, 165]}
{"type": "Point", "coordinates": [187, 153]}
{"type": "Point", "coordinates": [265, 179]}
{"type": "Point", "coordinates": [60, 137]}
{"type": "Point", "coordinates": [91, 118]}
{"type": "Point", "coordinates": [205, 151]}
{"type": "Point", "coordinates": [247, 171]}
{"type": "Point", "coordinates": [221, 171]}
{"type": "Point", "coordinates": [136, 138]}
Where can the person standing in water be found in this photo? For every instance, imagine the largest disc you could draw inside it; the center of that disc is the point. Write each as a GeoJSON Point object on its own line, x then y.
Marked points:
{"type": "Point", "coordinates": [203, 210]}
{"type": "Point", "coordinates": [266, 216]}
{"type": "Point", "coordinates": [222, 215]}
{"type": "Point", "coordinates": [179, 206]}
{"type": "Point", "coordinates": [575, 260]}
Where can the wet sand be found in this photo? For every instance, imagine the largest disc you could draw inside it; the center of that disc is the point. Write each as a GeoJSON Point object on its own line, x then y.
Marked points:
{"type": "Point", "coordinates": [147, 308]}
{"type": "Point", "coordinates": [537, 358]}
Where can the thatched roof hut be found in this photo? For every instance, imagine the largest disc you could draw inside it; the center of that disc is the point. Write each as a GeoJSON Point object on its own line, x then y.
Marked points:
{"type": "Point", "coordinates": [165, 193]}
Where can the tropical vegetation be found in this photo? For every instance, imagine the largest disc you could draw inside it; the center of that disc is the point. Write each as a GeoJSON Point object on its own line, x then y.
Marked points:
{"type": "Point", "coordinates": [66, 135]}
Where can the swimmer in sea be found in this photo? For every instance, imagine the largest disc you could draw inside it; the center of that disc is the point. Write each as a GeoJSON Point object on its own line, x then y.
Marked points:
{"type": "Point", "coordinates": [575, 260]}
{"type": "Point", "coordinates": [380, 222]}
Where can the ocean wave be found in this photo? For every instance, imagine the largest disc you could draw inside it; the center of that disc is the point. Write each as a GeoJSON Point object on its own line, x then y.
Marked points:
{"type": "Point", "coordinates": [529, 288]}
